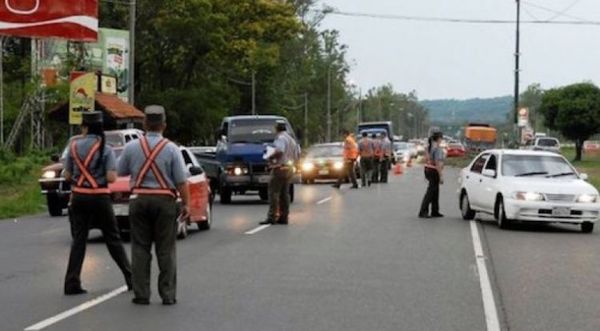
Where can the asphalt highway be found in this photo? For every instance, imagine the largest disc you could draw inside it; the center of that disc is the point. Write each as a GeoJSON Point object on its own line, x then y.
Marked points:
{"type": "Point", "coordinates": [349, 260]}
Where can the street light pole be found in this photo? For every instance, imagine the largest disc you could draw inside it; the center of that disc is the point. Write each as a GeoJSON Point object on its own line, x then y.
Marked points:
{"type": "Point", "coordinates": [517, 63]}
{"type": "Point", "coordinates": [1, 91]}
{"type": "Point", "coordinates": [131, 89]}
{"type": "Point", "coordinates": [329, 104]}
{"type": "Point", "coordinates": [305, 119]}
{"type": "Point", "coordinates": [253, 92]}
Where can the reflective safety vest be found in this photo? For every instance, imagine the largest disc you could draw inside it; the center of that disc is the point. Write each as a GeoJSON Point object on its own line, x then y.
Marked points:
{"type": "Point", "coordinates": [150, 164]}
{"type": "Point", "coordinates": [350, 149]}
{"type": "Point", "coordinates": [378, 148]}
{"type": "Point", "coordinates": [86, 176]}
{"type": "Point", "coordinates": [366, 148]}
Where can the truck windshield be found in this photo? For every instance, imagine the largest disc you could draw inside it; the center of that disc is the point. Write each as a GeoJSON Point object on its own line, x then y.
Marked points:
{"type": "Point", "coordinates": [252, 131]}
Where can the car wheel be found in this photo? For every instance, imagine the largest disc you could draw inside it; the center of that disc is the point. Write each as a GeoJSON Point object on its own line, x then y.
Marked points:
{"type": "Point", "coordinates": [202, 226]}
{"type": "Point", "coordinates": [587, 227]}
{"type": "Point", "coordinates": [55, 206]}
{"type": "Point", "coordinates": [465, 208]}
{"type": "Point", "coordinates": [225, 194]}
{"type": "Point", "coordinates": [182, 231]}
{"type": "Point", "coordinates": [503, 222]}
{"type": "Point", "coordinates": [263, 193]}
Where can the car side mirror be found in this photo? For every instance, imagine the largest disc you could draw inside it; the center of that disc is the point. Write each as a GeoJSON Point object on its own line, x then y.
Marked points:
{"type": "Point", "coordinates": [489, 173]}
{"type": "Point", "coordinates": [55, 158]}
{"type": "Point", "coordinates": [584, 177]}
{"type": "Point", "coordinates": [195, 171]}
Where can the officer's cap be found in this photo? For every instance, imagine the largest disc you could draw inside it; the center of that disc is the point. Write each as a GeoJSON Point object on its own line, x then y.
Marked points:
{"type": "Point", "coordinates": [91, 117]}
{"type": "Point", "coordinates": [155, 114]}
{"type": "Point", "coordinates": [280, 125]}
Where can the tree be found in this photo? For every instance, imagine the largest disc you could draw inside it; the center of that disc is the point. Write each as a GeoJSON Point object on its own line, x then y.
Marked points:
{"type": "Point", "coordinates": [574, 111]}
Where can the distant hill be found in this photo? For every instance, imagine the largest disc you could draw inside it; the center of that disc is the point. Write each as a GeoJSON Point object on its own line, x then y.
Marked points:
{"type": "Point", "coordinates": [451, 111]}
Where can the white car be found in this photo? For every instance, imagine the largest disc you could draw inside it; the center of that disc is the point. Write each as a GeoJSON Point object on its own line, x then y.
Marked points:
{"type": "Point", "coordinates": [527, 186]}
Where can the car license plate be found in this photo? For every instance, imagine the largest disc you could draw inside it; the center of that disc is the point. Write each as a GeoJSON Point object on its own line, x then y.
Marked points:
{"type": "Point", "coordinates": [324, 172]}
{"type": "Point", "coordinates": [121, 209]}
{"type": "Point", "coordinates": [264, 179]}
{"type": "Point", "coordinates": [561, 212]}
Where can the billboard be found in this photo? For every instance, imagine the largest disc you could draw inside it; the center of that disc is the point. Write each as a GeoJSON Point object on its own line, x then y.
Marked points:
{"type": "Point", "coordinates": [66, 19]}
{"type": "Point", "coordinates": [523, 117]}
{"type": "Point", "coordinates": [82, 94]}
{"type": "Point", "coordinates": [109, 55]}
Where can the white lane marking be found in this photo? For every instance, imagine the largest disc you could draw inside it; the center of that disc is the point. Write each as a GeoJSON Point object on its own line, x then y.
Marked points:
{"type": "Point", "coordinates": [75, 310]}
{"type": "Point", "coordinates": [260, 228]}
{"type": "Point", "coordinates": [322, 201]}
{"type": "Point", "coordinates": [489, 304]}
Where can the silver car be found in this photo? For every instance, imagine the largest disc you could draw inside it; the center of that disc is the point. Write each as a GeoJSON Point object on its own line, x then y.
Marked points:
{"type": "Point", "coordinates": [547, 144]}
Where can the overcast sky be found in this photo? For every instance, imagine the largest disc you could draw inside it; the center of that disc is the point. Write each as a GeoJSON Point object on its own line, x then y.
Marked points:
{"type": "Point", "coordinates": [443, 60]}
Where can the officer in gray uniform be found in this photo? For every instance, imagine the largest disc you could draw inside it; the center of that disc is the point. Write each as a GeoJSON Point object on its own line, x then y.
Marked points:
{"type": "Point", "coordinates": [386, 148]}
{"type": "Point", "coordinates": [287, 153]}
{"type": "Point", "coordinates": [158, 173]}
{"type": "Point", "coordinates": [366, 151]}
{"type": "Point", "coordinates": [90, 166]}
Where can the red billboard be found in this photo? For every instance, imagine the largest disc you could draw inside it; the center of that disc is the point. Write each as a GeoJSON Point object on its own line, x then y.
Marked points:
{"type": "Point", "coordinates": [67, 19]}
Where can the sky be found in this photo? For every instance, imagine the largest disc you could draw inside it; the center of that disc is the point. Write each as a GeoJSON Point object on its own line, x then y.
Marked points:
{"type": "Point", "coordinates": [445, 60]}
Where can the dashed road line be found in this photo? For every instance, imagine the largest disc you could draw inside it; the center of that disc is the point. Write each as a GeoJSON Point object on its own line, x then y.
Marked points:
{"type": "Point", "coordinates": [489, 303]}
{"type": "Point", "coordinates": [322, 201]}
{"type": "Point", "coordinates": [76, 310]}
{"type": "Point", "coordinates": [258, 229]}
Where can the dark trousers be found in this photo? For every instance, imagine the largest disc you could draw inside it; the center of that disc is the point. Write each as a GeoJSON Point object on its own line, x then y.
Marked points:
{"type": "Point", "coordinates": [366, 170]}
{"type": "Point", "coordinates": [84, 211]}
{"type": "Point", "coordinates": [153, 220]}
{"type": "Point", "coordinates": [279, 194]}
{"type": "Point", "coordinates": [432, 196]}
{"type": "Point", "coordinates": [376, 170]}
{"type": "Point", "coordinates": [384, 167]}
{"type": "Point", "coordinates": [348, 172]}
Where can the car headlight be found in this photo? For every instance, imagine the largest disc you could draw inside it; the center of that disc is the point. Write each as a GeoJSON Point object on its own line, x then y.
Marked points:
{"type": "Point", "coordinates": [308, 166]}
{"type": "Point", "coordinates": [529, 196]}
{"type": "Point", "coordinates": [237, 170]}
{"type": "Point", "coordinates": [587, 198]}
{"type": "Point", "coordinates": [338, 165]}
{"type": "Point", "coordinates": [49, 174]}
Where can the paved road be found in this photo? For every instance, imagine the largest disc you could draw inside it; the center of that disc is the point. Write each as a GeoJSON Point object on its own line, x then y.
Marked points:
{"type": "Point", "coordinates": [350, 260]}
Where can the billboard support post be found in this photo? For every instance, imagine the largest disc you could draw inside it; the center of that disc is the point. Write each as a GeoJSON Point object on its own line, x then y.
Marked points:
{"type": "Point", "coordinates": [131, 79]}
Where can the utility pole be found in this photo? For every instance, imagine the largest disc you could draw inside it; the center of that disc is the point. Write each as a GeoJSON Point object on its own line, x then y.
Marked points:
{"type": "Point", "coordinates": [517, 66]}
{"type": "Point", "coordinates": [253, 92]}
{"type": "Point", "coordinates": [131, 89]}
{"type": "Point", "coordinates": [329, 104]}
{"type": "Point", "coordinates": [305, 119]}
{"type": "Point", "coordinates": [358, 107]}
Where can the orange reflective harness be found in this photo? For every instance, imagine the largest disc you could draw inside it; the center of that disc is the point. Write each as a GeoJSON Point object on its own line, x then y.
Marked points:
{"type": "Point", "coordinates": [150, 164]}
{"type": "Point", "coordinates": [86, 176]}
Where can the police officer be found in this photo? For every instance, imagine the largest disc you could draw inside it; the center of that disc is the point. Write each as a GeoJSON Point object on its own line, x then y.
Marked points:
{"type": "Point", "coordinates": [386, 152]}
{"type": "Point", "coordinates": [350, 156]}
{"type": "Point", "coordinates": [366, 151]}
{"type": "Point", "coordinates": [377, 156]}
{"type": "Point", "coordinates": [434, 166]}
{"type": "Point", "coordinates": [287, 153]}
{"type": "Point", "coordinates": [157, 173]}
{"type": "Point", "coordinates": [90, 166]}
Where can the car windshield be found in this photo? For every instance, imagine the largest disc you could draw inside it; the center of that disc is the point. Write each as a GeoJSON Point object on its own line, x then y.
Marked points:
{"type": "Point", "coordinates": [325, 151]}
{"type": "Point", "coordinates": [401, 146]}
{"type": "Point", "coordinates": [252, 131]}
{"type": "Point", "coordinates": [547, 142]}
{"type": "Point", "coordinates": [535, 165]}
{"type": "Point", "coordinates": [115, 140]}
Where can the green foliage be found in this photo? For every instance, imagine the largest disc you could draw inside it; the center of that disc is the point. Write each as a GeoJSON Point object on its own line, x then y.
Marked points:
{"type": "Point", "coordinates": [19, 188]}
{"type": "Point", "coordinates": [574, 111]}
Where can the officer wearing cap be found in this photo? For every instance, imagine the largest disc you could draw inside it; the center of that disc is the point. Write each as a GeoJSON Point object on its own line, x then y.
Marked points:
{"type": "Point", "coordinates": [376, 157]}
{"type": "Point", "coordinates": [367, 152]}
{"type": "Point", "coordinates": [90, 166]}
{"type": "Point", "coordinates": [386, 157]}
{"type": "Point", "coordinates": [434, 166]}
{"type": "Point", "coordinates": [287, 153]}
{"type": "Point", "coordinates": [158, 173]}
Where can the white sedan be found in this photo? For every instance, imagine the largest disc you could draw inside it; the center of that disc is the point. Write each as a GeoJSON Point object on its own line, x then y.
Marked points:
{"type": "Point", "coordinates": [527, 186]}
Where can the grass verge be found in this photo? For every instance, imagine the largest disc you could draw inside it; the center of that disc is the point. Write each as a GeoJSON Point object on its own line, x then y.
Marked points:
{"type": "Point", "coordinates": [590, 164]}
{"type": "Point", "coordinates": [19, 186]}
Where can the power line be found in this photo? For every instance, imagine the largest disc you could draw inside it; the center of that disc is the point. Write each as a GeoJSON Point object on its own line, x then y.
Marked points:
{"type": "Point", "coordinates": [558, 13]}
{"type": "Point", "coordinates": [579, 21]}
{"type": "Point", "coordinates": [564, 11]}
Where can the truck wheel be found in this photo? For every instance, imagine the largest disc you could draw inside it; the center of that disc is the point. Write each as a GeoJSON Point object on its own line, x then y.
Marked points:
{"type": "Point", "coordinates": [263, 193]}
{"type": "Point", "coordinates": [225, 194]}
{"type": "Point", "coordinates": [55, 206]}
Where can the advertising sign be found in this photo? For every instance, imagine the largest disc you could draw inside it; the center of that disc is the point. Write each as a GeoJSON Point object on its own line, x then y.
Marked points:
{"type": "Point", "coordinates": [67, 19]}
{"type": "Point", "coordinates": [109, 55]}
{"type": "Point", "coordinates": [523, 117]}
{"type": "Point", "coordinates": [82, 95]}
{"type": "Point", "coordinates": [108, 85]}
